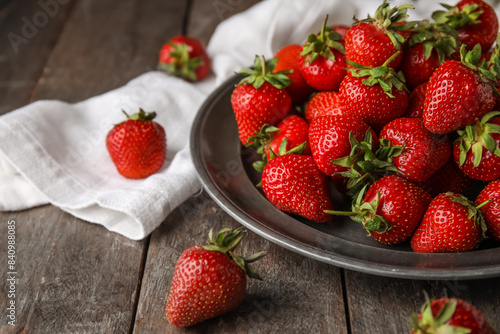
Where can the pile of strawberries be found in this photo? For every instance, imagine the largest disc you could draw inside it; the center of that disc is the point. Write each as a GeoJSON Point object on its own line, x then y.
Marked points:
{"type": "Point", "coordinates": [398, 115]}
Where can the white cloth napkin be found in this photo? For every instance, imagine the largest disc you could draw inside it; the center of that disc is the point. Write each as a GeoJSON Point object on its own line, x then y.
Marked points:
{"type": "Point", "coordinates": [54, 152]}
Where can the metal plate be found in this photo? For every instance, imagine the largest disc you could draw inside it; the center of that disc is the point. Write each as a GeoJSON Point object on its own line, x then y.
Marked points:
{"type": "Point", "coordinates": [224, 168]}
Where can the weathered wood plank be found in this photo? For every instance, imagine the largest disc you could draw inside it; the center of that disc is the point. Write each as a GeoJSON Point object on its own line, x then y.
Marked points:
{"type": "Point", "coordinates": [29, 31]}
{"type": "Point", "coordinates": [382, 305]}
{"type": "Point", "coordinates": [297, 295]}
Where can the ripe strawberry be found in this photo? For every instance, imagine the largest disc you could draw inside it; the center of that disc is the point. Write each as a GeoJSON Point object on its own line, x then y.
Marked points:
{"type": "Point", "coordinates": [209, 280]}
{"type": "Point", "coordinates": [391, 209]}
{"type": "Point", "coordinates": [450, 224]}
{"type": "Point", "coordinates": [294, 184]}
{"type": "Point", "coordinates": [260, 98]}
{"type": "Point", "coordinates": [477, 150]}
{"type": "Point", "coordinates": [370, 42]}
{"type": "Point", "coordinates": [330, 138]}
{"type": "Point", "coordinates": [340, 29]}
{"type": "Point", "coordinates": [448, 178]}
{"type": "Point", "coordinates": [491, 209]}
{"type": "Point", "coordinates": [137, 146]}
{"type": "Point", "coordinates": [184, 57]}
{"type": "Point", "coordinates": [291, 135]}
{"type": "Point", "coordinates": [322, 60]}
{"type": "Point", "coordinates": [416, 102]}
{"type": "Point", "coordinates": [376, 95]}
{"type": "Point", "coordinates": [287, 56]}
{"type": "Point", "coordinates": [449, 315]}
{"type": "Point", "coordinates": [430, 45]}
{"type": "Point", "coordinates": [323, 104]}
{"type": "Point", "coordinates": [475, 22]}
{"type": "Point", "coordinates": [422, 152]}
{"type": "Point", "coordinates": [458, 92]}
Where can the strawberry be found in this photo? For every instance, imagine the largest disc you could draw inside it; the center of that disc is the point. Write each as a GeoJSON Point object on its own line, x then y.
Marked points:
{"type": "Point", "coordinates": [430, 45]}
{"type": "Point", "coordinates": [449, 315]}
{"type": "Point", "coordinates": [294, 184]}
{"type": "Point", "coordinates": [376, 95]}
{"type": "Point", "coordinates": [322, 60]}
{"type": "Point", "coordinates": [457, 93]}
{"type": "Point", "coordinates": [422, 153]}
{"type": "Point", "coordinates": [209, 280]}
{"type": "Point", "coordinates": [448, 178]}
{"type": "Point", "coordinates": [451, 224]}
{"type": "Point", "coordinates": [475, 21]}
{"type": "Point", "coordinates": [137, 146]}
{"type": "Point", "coordinates": [287, 56]}
{"type": "Point", "coordinates": [491, 210]}
{"type": "Point", "coordinates": [477, 150]}
{"type": "Point", "coordinates": [323, 104]}
{"type": "Point", "coordinates": [370, 42]}
{"type": "Point", "coordinates": [260, 98]}
{"type": "Point", "coordinates": [340, 29]}
{"type": "Point", "coordinates": [184, 57]}
{"type": "Point", "coordinates": [416, 102]}
{"type": "Point", "coordinates": [291, 135]}
{"type": "Point", "coordinates": [391, 209]}
{"type": "Point", "coordinates": [330, 138]}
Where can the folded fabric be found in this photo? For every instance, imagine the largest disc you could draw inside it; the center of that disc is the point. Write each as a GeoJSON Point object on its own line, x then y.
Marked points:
{"type": "Point", "coordinates": [54, 152]}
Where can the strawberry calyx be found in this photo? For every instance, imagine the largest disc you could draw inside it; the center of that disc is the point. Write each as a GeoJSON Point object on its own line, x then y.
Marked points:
{"type": "Point", "coordinates": [435, 36]}
{"type": "Point", "coordinates": [384, 76]}
{"type": "Point", "coordinates": [141, 115]}
{"type": "Point", "coordinates": [262, 72]}
{"type": "Point", "coordinates": [476, 136]}
{"type": "Point", "coordinates": [456, 17]}
{"type": "Point", "coordinates": [391, 21]}
{"type": "Point", "coordinates": [321, 44]}
{"type": "Point", "coordinates": [183, 64]}
{"type": "Point", "coordinates": [430, 324]}
{"type": "Point", "coordinates": [226, 242]}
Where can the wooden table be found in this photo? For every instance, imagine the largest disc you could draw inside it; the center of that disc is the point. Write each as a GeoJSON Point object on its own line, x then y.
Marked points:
{"type": "Point", "coordinates": [76, 277]}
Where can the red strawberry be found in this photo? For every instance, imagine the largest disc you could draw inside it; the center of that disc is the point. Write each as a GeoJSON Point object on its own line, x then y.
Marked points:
{"type": "Point", "coordinates": [491, 209]}
{"type": "Point", "coordinates": [477, 150]}
{"type": "Point", "coordinates": [340, 29]}
{"type": "Point", "coordinates": [475, 21]}
{"type": "Point", "coordinates": [209, 280]}
{"type": "Point", "coordinates": [287, 56]}
{"type": "Point", "coordinates": [391, 209]}
{"type": "Point", "coordinates": [448, 178]}
{"type": "Point", "coordinates": [429, 45]}
{"type": "Point", "coordinates": [457, 94]}
{"type": "Point", "coordinates": [137, 146]}
{"type": "Point", "coordinates": [416, 102]}
{"type": "Point", "coordinates": [370, 42]}
{"type": "Point", "coordinates": [184, 57]}
{"type": "Point", "coordinates": [291, 135]}
{"type": "Point", "coordinates": [450, 224]}
{"type": "Point", "coordinates": [260, 98]}
{"type": "Point", "coordinates": [322, 60]}
{"type": "Point", "coordinates": [323, 104]}
{"type": "Point", "coordinates": [449, 315]}
{"type": "Point", "coordinates": [294, 184]}
{"type": "Point", "coordinates": [422, 152]}
{"type": "Point", "coordinates": [329, 137]}
{"type": "Point", "coordinates": [376, 95]}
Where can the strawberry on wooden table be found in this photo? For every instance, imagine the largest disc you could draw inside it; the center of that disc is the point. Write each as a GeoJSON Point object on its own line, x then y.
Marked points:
{"type": "Point", "coordinates": [294, 184]}
{"type": "Point", "coordinates": [449, 315]}
{"type": "Point", "coordinates": [391, 209]}
{"type": "Point", "coordinates": [451, 223]}
{"type": "Point", "coordinates": [260, 98]}
{"type": "Point", "coordinates": [184, 57]}
{"type": "Point", "coordinates": [477, 150]}
{"type": "Point", "coordinates": [209, 280]}
{"type": "Point", "coordinates": [371, 41]}
{"type": "Point", "coordinates": [458, 93]}
{"type": "Point", "coordinates": [491, 210]}
{"type": "Point", "coordinates": [138, 145]}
